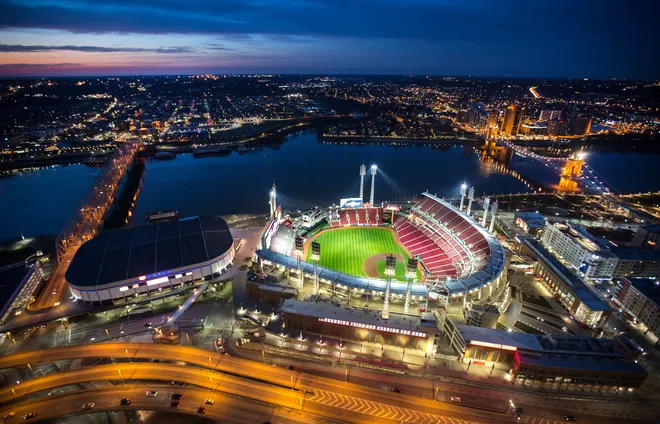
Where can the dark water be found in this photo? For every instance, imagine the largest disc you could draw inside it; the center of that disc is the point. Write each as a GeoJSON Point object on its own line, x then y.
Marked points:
{"type": "Point", "coordinates": [306, 171]}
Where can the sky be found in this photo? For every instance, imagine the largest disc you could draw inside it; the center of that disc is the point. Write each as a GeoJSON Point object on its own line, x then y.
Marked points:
{"type": "Point", "coordinates": [522, 38]}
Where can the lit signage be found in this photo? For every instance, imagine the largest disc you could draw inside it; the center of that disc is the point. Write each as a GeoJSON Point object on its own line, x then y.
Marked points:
{"type": "Point", "coordinates": [493, 345]}
{"type": "Point", "coordinates": [158, 281]}
{"type": "Point", "coordinates": [350, 203]}
{"type": "Point", "coordinates": [142, 278]}
{"type": "Point", "coordinates": [373, 327]}
{"type": "Point", "coordinates": [123, 289]}
{"type": "Point", "coordinates": [135, 286]}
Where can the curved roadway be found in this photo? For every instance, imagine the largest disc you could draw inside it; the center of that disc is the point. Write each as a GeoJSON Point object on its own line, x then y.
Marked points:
{"type": "Point", "coordinates": [278, 386]}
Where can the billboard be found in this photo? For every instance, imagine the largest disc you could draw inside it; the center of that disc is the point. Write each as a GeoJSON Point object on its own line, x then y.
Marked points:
{"type": "Point", "coordinates": [350, 203]}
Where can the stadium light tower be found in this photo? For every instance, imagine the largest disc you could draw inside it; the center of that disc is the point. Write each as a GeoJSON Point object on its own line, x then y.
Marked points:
{"type": "Point", "coordinates": [363, 172]}
{"type": "Point", "coordinates": [390, 270]}
{"type": "Point", "coordinates": [486, 205]}
{"type": "Point", "coordinates": [273, 201]}
{"type": "Point", "coordinates": [411, 272]}
{"type": "Point", "coordinates": [374, 169]}
{"type": "Point", "coordinates": [470, 199]}
{"type": "Point", "coordinates": [316, 256]}
{"type": "Point", "coordinates": [463, 189]}
{"type": "Point", "coordinates": [300, 248]}
{"type": "Point", "coordinates": [493, 212]}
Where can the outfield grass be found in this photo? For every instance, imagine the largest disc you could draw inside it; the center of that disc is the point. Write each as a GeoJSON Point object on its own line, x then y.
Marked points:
{"type": "Point", "coordinates": [346, 250]}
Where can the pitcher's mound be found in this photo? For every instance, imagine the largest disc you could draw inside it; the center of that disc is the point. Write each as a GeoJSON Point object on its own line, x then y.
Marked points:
{"type": "Point", "coordinates": [370, 265]}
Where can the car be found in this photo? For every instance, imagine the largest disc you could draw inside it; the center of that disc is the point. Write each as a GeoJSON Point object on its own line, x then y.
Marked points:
{"type": "Point", "coordinates": [175, 404]}
{"type": "Point", "coordinates": [456, 399]}
{"type": "Point", "coordinates": [9, 415]}
{"type": "Point", "coordinates": [209, 401]}
{"type": "Point", "coordinates": [176, 396]}
{"type": "Point", "coordinates": [291, 367]}
{"type": "Point", "coordinates": [395, 390]}
{"type": "Point", "coordinates": [201, 409]}
{"type": "Point", "coordinates": [151, 393]}
{"type": "Point", "coordinates": [89, 405]}
{"type": "Point", "coordinates": [147, 324]}
{"type": "Point", "coordinates": [570, 418]}
{"type": "Point", "coordinates": [125, 401]}
{"type": "Point", "coordinates": [30, 416]}
{"type": "Point", "coordinates": [172, 383]}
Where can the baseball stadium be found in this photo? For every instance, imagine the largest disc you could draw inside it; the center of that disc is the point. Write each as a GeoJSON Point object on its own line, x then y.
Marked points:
{"type": "Point", "coordinates": [427, 251]}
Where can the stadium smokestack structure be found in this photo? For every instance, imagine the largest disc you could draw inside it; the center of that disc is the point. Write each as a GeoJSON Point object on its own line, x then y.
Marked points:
{"type": "Point", "coordinates": [486, 205]}
{"type": "Point", "coordinates": [470, 199]}
{"type": "Point", "coordinates": [493, 212]}
{"type": "Point", "coordinates": [363, 172]}
{"type": "Point", "coordinates": [463, 188]}
{"type": "Point", "coordinates": [273, 201]}
{"type": "Point", "coordinates": [390, 270]}
{"type": "Point", "coordinates": [411, 272]}
{"type": "Point", "coordinates": [374, 169]}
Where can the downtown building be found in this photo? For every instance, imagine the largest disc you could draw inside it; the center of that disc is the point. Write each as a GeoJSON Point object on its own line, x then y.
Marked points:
{"type": "Point", "coordinates": [640, 299]}
{"type": "Point", "coordinates": [579, 250]}
{"type": "Point", "coordinates": [547, 360]}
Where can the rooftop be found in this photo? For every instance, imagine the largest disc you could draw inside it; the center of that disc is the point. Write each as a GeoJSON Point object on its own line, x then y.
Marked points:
{"type": "Point", "coordinates": [636, 253]}
{"type": "Point", "coordinates": [360, 317]}
{"type": "Point", "coordinates": [577, 286]}
{"type": "Point", "coordinates": [649, 288]}
{"type": "Point", "coordinates": [577, 362]}
{"type": "Point", "coordinates": [500, 337]}
{"type": "Point", "coordinates": [532, 219]}
{"type": "Point", "coordinates": [129, 253]}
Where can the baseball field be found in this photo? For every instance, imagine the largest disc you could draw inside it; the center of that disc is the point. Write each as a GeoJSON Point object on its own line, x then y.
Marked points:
{"type": "Point", "coordinates": [360, 251]}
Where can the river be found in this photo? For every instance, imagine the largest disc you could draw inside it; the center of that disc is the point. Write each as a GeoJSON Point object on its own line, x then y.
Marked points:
{"type": "Point", "coordinates": [307, 173]}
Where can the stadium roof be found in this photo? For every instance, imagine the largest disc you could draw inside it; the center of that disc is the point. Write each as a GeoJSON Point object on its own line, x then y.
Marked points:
{"type": "Point", "coordinates": [333, 276]}
{"type": "Point", "coordinates": [129, 253]}
{"type": "Point", "coordinates": [486, 274]}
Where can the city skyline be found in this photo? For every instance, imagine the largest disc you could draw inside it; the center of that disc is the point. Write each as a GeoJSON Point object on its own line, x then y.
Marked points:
{"type": "Point", "coordinates": [478, 38]}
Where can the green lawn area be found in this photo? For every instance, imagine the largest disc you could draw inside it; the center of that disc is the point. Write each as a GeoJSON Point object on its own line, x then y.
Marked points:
{"type": "Point", "coordinates": [346, 250]}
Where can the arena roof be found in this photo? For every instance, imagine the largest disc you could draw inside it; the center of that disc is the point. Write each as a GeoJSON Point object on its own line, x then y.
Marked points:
{"type": "Point", "coordinates": [489, 272]}
{"type": "Point", "coordinates": [129, 253]}
{"type": "Point", "coordinates": [333, 276]}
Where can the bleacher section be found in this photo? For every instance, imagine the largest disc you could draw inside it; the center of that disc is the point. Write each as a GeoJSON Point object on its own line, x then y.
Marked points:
{"type": "Point", "coordinates": [361, 216]}
{"type": "Point", "coordinates": [448, 241]}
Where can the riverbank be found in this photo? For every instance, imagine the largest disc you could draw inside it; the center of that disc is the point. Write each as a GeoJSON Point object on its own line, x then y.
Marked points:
{"type": "Point", "coordinates": [449, 139]}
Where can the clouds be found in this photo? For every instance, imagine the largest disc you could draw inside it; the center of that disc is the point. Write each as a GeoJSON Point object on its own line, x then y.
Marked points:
{"type": "Point", "coordinates": [18, 48]}
{"type": "Point", "coordinates": [479, 37]}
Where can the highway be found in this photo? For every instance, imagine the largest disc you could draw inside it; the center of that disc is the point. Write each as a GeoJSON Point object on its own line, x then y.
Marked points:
{"type": "Point", "coordinates": [322, 396]}
{"type": "Point", "coordinates": [228, 409]}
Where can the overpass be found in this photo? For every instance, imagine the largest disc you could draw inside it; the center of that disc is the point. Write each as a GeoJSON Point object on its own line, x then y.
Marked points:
{"type": "Point", "coordinates": [86, 221]}
{"type": "Point", "coordinates": [235, 376]}
{"type": "Point", "coordinates": [227, 409]}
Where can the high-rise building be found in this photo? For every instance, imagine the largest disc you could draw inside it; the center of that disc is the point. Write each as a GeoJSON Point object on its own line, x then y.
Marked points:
{"type": "Point", "coordinates": [477, 115]}
{"type": "Point", "coordinates": [557, 127]}
{"type": "Point", "coordinates": [512, 120]}
{"type": "Point", "coordinates": [493, 119]}
{"type": "Point", "coordinates": [549, 115]}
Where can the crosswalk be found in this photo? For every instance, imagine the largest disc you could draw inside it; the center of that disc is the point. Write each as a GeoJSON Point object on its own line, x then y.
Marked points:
{"type": "Point", "coordinates": [378, 409]}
